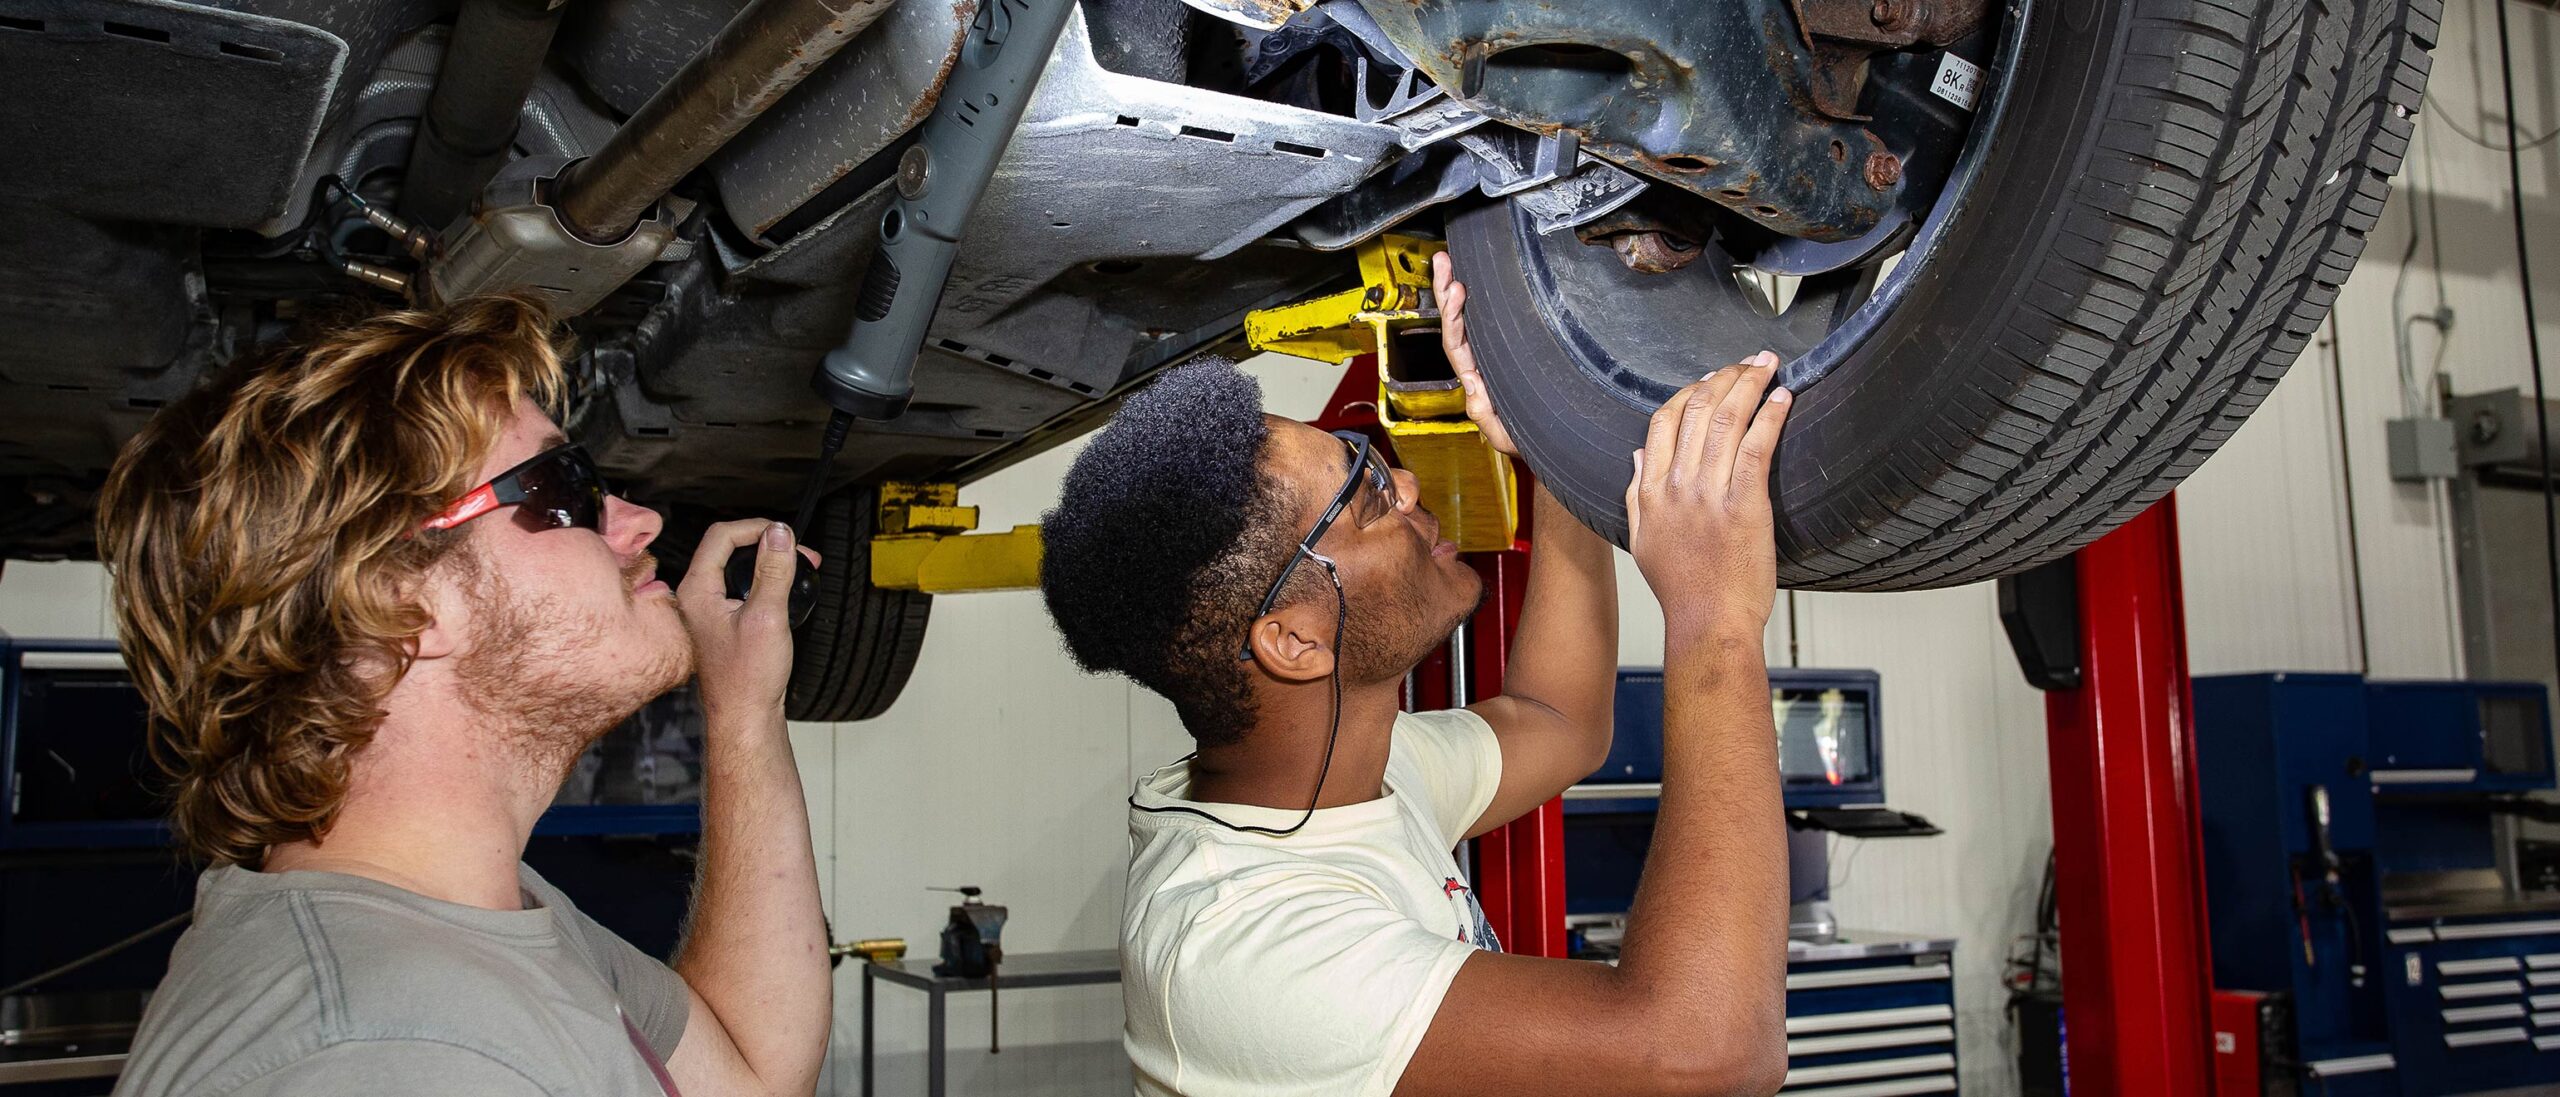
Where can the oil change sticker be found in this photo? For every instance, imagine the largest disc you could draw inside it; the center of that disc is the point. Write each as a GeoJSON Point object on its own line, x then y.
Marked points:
{"type": "Point", "coordinates": [1958, 81]}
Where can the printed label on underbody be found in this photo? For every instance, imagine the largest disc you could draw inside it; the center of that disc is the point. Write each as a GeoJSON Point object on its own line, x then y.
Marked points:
{"type": "Point", "coordinates": [1958, 82]}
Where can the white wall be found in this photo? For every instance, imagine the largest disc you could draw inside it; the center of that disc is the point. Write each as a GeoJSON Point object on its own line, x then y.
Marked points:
{"type": "Point", "coordinates": [2278, 529]}
{"type": "Point", "coordinates": [66, 601]}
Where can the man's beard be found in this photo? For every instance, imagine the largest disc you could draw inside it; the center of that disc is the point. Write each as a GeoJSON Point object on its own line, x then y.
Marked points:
{"type": "Point", "coordinates": [1386, 636]}
{"type": "Point", "coordinates": [524, 673]}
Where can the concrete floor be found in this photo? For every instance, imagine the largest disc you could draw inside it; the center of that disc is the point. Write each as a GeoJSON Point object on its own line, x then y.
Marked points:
{"type": "Point", "coordinates": [1033, 1070]}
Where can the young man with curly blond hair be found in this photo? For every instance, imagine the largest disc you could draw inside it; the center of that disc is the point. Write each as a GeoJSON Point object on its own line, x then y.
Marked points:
{"type": "Point", "coordinates": [379, 605]}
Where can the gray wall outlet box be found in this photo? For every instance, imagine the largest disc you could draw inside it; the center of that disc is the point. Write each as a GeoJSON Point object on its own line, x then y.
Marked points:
{"type": "Point", "coordinates": [2423, 450]}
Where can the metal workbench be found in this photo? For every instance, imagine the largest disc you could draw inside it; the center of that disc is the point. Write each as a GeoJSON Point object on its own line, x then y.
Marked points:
{"type": "Point", "coordinates": [1027, 971]}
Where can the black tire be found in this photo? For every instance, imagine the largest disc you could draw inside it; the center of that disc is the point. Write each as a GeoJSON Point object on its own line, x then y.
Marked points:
{"type": "Point", "coordinates": [2171, 193]}
{"type": "Point", "coordinates": [854, 653]}
{"type": "Point", "coordinates": [852, 656]}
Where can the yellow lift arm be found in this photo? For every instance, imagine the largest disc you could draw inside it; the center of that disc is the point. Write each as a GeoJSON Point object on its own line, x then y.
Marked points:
{"type": "Point", "coordinates": [924, 541]}
{"type": "Point", "coordinates": [1392, 317]}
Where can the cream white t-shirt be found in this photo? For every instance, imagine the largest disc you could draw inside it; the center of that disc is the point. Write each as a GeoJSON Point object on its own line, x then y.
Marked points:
{"type": "Point", "coordinates": [1310, 964]}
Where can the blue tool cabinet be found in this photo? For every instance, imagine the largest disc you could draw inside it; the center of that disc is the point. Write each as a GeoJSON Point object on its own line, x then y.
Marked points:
{"type": "Point", "coordinates": [2352, 867]}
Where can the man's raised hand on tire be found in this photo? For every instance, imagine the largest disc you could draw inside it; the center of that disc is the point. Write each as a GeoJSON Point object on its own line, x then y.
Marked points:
{"type": "Point", "coordinates": [1698, 514]}
{"type": "Point", "coordinates": [1697, 1001]}
{"type": "Point", "coordinates": [1451, 297]}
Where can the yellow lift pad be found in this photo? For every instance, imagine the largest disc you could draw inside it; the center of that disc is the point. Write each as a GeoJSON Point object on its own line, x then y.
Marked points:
{"type": "Point", "coordinates": [1464, 482]}
{"type": "Point", "coordinates": [924, 545]}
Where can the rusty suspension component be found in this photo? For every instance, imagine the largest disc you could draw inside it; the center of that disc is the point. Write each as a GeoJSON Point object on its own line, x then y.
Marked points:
{"type": "Point", "coordinates": [1890, 24]}
{"type": "Point", "coordinates": [1759, 106]}
{"type": "Point", "coordinates": [1652, 235]}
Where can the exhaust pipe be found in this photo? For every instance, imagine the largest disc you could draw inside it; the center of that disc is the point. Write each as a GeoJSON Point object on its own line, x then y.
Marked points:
{"type": "Point", "coordinates": [759, 56]}
{"type": "Point", "coordinates": [489, 66]}
{"type": "Point", "coordinates": [573, 234]}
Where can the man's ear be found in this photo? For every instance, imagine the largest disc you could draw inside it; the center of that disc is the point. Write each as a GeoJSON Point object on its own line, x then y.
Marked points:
{"type": "Point", "coordinates": [1291, 645]}
{"type": "Point", "coordinates": [440, 594]}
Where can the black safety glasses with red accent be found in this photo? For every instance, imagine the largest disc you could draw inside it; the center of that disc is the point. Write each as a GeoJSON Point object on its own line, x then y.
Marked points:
{"type": "Point", "coordinates": [558, 488]}
{"type": "Point", "coordinates": [1368, 470]}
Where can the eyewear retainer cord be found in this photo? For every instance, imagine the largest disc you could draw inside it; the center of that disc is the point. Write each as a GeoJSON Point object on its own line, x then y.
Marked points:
{"type": "Point", "coordinates": [1341, 613]}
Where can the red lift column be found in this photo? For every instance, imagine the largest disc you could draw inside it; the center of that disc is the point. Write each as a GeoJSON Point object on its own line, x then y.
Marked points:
{"type": "Point", "coordinates": [1519, 869]}
{"type": "Point", "coordinates": [2129, 863]}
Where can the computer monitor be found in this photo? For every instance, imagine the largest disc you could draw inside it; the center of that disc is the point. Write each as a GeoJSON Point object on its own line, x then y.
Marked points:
{"type": "Point", "coordinates": [1830, 740]}
{"type": "Point", "coordinates": [1828, 751]}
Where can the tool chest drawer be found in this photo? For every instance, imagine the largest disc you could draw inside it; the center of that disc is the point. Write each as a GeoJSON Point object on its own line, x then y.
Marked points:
{"type": "Point", "coordinates": [1871, 1024]}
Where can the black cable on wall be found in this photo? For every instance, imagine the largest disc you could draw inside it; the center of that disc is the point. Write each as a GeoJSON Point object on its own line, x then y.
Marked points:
{"type": "Point", "coordinates": [2347, 490]}
{"type": "Point", "coordinates": [2532, 335]}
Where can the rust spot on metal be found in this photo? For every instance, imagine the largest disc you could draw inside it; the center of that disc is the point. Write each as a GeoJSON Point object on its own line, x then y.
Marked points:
{"type": "Point", "coordinates": [1654, 252]}
{"type": "Point", "coordinates": [1266, 12]}
{"type": "Point", "coordinates": [1654, 234]}
{"type": "Point", "coordinates": [1884, 169]}
{"type": "Point", "coordinates": [1804, 26]}
{"type": "Point", "coordinates": [1890, 24]}
{"type": "Point", "coordinates": [963, 13]}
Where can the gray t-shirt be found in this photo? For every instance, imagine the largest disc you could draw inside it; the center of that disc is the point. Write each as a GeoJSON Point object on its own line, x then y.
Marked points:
{"type": "Point", "coordinates": [316, 983]}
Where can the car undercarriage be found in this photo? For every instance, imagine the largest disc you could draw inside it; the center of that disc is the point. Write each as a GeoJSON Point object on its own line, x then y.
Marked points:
{"type": "Point", "coordinates": [1176, 170]}
{"type": "Point", "coordinates": [2027, 263]}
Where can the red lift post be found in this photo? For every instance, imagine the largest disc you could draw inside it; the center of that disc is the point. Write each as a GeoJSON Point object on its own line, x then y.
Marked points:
{"type": "Point", "coordinates": [1519, 869]}
{"type": "Point", "coordinates": [2128, 852]}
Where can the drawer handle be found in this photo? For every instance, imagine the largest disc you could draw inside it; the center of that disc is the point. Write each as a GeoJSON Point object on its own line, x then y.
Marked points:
{"type": "Point", "coordinates": [2498, 989]}
{"type": "Point", "coordinates": [2468, 1014]}
{"type": "Point", "coordinates": [1632, 790]}
{"type": "Point", "coordinates": [1898, 1087]}
{"type": "Point", "coordinates": [2480, 930]}
{"type": "Point", "coordinates": [1867, 1041]}
{"type": "Point", "coordinates": [1869, 976]}
{"type": "Point", "coordinates": [2484, 1037]}
{"type": "Point", "coordinates": [2352, 1064]}
{"type": "Point", "coordinates": [2483, 966]}
{"type": "Point", "coordinates": [1869, 1018]}
{"type": "Point", "coordinates": [1870, 1068]}
{"type": "Point", "coordinates": [72, 660]}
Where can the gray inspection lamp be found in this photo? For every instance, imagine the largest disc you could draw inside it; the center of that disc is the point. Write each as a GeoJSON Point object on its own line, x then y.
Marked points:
{"type": "Point", "coordinates": [940, 179]}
